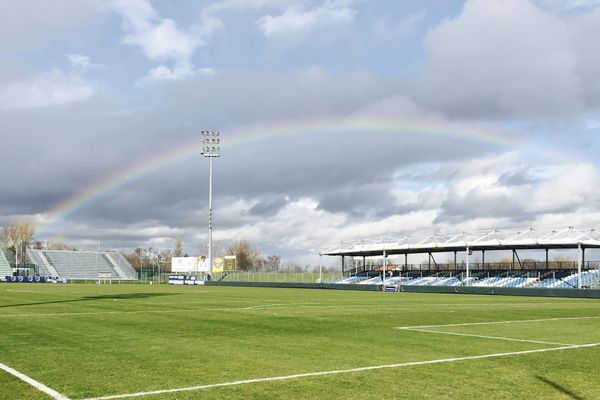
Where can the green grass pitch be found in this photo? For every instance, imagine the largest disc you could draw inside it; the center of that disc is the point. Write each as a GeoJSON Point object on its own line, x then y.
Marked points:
{"type": "Point", "coordinates": [91, 341]}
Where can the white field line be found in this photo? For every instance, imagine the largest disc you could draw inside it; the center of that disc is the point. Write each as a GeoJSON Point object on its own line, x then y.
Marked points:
{"type": "Point", "coordinates": [39, 386]}
{"type": "Point", "coordinates": [489, 337]}
{"type": "Point", "coordinates": [339, 371]}
{"type": "Point", "coordinates": [355, 304]}
{"type": "Point", "coordinates": [22, 291]}
{"type": "Point", "coordinates": [279, 305]}
{"type": "Point", "coordinates": [516, 321]}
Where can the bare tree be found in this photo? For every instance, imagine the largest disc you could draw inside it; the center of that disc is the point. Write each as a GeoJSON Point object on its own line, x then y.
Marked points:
{"type": "Point", "coordinates": [246, 256]}
{"type": "Point", "coordinates": [57, 243]}
{"type": "Point", "coordinates": [271, 263]}
{"type": "Point", "coordinates": [178, 248]}
{"type": "Point", "coordinates": [17, 237]}
{"type": "Point", "coordinates": [164, 258]}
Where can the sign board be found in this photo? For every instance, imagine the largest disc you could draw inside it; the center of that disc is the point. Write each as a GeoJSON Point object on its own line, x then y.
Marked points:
{"type": "Point", "coordinates": [184, 264]}
{"type": "Point", "coordinates": [230, 264]}
{"type": "Point", "coordinates": [202, 264]}
{"type": "Point", "coordinates": [218, 263]}
{"type": "Point", "coordinates": [184, 280]}
{"type": "Point", "coordinates": [197, 264]}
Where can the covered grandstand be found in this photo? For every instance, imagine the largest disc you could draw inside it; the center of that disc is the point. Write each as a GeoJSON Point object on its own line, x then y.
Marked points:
{"type": "Point", "coordinates": [370, 259]}
{"type": "Point", "coordinates": [82, 265]}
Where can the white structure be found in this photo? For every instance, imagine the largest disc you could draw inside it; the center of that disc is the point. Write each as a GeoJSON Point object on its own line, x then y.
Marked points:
{"type": "Point", "coordinates": [189, 264]}
{"type": "Point", "coordinates": [81, 265]}
{"type": "Point", "coordinates": [529, 239]}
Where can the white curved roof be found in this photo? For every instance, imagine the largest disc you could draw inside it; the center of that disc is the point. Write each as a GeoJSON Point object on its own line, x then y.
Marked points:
{"type": "Point", "coordinates": [496, 239]}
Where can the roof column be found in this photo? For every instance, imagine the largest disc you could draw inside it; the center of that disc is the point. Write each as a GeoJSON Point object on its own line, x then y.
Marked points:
{"type": "Point", "coordinates": [482, 259]}
{"type": "Point", "coordinates": [320, 268]}
{"type": "Point", "coordinates": [467, 259]}
{"type": "Point", "coordinates": [579, 261]}
{"type": "Point", "coordinates": [364, 264]}
{"type": "Point", "coordinates": [384, 267]}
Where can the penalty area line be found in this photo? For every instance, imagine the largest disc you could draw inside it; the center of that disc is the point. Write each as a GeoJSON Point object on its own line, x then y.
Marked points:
{"type": "Point", "coordinates": [38, 385]}
{"type": "Point", "coordinates": [513, 321]}
{"type": "Point", "coordinates": [489, 337]}
{"type": "Point", "coordinates": [339, 371]}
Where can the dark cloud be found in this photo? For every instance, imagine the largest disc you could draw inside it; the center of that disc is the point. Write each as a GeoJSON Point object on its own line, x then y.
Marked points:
{"type": "Point", "coordinates": [269, 206]}
{"type": "Point", "coordinates": [511, 59]}
{"type": "Point", "coordinates": [518, 178]}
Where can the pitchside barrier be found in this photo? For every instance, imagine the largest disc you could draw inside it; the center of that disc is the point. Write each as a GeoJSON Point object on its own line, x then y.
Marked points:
{"type": "Point", "coordinates": [541, 292]}
{"type": "Point", "coordinates": [296, 285]}
{"type": "Point", "coordinates": [31, 279]}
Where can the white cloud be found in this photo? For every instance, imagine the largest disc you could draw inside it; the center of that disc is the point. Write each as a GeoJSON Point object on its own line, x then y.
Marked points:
{"type": "Point", "coordinates": [297, 20]}
{"type": "Point", "coordinates": [592, 124]}
{"type": "Point", "coordinates": [49, 89]}
{"type": "Point", "coordinates": [179, 71]}
{"type": "Point", "coordinates": [79, 60]}
{"type": "Point", "coordinates": [507, 187]}
{"type": "Point", "coordinates": [162, 72]}
{"type": "Point", "coordinates": [164, 41]}
{"type": "Point", "coordinates": [161, 40]}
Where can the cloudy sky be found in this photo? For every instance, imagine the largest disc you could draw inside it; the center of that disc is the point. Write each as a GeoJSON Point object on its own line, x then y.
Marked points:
{"type": "Point", "coordinates": [341, 119]}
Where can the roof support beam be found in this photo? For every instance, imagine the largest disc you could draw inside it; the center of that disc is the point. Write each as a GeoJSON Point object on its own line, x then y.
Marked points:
{"type": "Point", "coordinates": [467, 258]}
{"type": "Point", "coordinates": [579, 260]}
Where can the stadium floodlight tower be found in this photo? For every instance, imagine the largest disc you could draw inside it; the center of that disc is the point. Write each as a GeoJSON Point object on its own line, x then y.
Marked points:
{"type": "Point", "coordinates": [211, 148]}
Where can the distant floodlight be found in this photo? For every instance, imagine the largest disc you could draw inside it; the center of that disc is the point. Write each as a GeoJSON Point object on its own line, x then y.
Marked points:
{"type": "Point", "coordinates": [211, 148]}
{"type": "Point", "coordinates": [211, 143]}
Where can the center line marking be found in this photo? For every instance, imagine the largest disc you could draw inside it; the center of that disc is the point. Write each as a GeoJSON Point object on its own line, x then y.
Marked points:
{"type": "Point", "coordinates": [339, 371]}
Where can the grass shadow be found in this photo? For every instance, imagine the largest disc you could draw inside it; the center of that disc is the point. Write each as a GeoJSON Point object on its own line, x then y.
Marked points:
{"type": "Point", "coordinates": [122, 296]}
{"type": "Point", "coordinates": [559, 388]}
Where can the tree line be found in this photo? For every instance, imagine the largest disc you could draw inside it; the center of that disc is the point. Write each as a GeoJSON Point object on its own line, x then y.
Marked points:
{"type": "Point", "coordinates": [248, 257]}
{"type": "Point", "coordinates": [17, 237]}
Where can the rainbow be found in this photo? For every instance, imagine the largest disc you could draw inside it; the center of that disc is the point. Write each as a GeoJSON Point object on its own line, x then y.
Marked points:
{"type": "Point", "coordinates": [323, 126]}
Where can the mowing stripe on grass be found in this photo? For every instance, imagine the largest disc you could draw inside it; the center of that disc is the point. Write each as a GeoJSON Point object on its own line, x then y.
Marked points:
{"type": "Point", "coordinates": [39, 386]}
{"type": "Point", "coordinates": [490, 337]}
{"type": "Point", "coordinates": [339, 371]}
{"type": "Point", "coordinates": [95, 313]}
{"type": "Point", "coordinates": [267, 306]}
{"type": "Point", "coordinates": [515, 321]}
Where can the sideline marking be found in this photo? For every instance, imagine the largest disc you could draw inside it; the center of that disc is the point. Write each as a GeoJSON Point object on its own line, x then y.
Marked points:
{"type": "Point", "coordinates": [489, 337]}
{"type": "Point", "coordinates": [493, 322]}
{"type": "Point", "coordinates": [39, 386]}
{"type": "Point", "coordinates": [339, 371]}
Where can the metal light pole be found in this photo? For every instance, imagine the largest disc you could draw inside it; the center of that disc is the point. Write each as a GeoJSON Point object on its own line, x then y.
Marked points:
{"type": "Point", "coordinates": [211, 147]}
